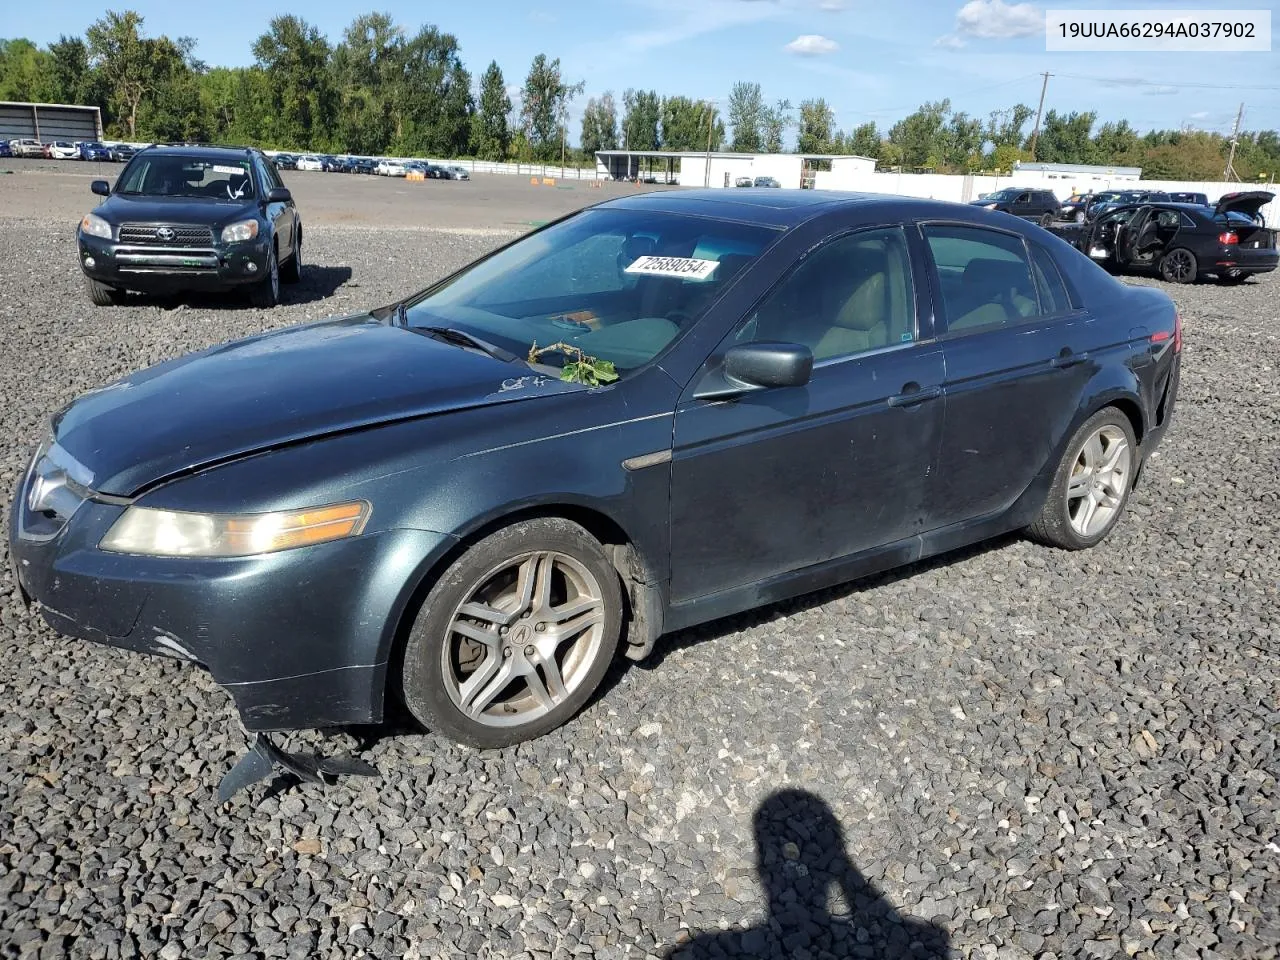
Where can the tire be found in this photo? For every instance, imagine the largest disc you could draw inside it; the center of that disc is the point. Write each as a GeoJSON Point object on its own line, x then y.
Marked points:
{"type": "Point", "coordinates": [1104, 441]}
{"type": "Point", "coordinates": [103, 295]}
{"type": "Point", "coordinates": [1179, 265]}
{"type": "Point", "coordinates": [484, 592]}
{"type": "Point", "coordinates": [1046, 219]}
{"type": "Point", "coordinates": [266, 292]}
{"type": "Point", "coordinates": [291, 272]}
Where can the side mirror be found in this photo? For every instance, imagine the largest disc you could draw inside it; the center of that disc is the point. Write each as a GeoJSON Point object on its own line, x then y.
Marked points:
{"type": "Point", "coordinates": [279, 195]}
{"type": "Point", "coordinates": [101, 188]}
{"type": "Point", "coordinates": [757, 366]}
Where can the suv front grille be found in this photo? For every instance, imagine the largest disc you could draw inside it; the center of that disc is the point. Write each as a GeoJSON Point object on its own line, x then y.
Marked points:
{"type": "Point", "coordinates": [166, 235]}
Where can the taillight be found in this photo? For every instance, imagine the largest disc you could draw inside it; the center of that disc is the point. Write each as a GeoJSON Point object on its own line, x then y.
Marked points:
{"type": "Point", "coordinates": [1228, 238]}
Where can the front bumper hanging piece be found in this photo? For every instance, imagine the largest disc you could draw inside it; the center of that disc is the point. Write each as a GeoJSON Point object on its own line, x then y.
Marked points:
{"type": "Point", "coordinates": [264, 757]}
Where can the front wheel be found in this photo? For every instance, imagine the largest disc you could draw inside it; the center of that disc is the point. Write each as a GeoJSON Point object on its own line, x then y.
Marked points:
{"type": "Point", "coordinates": [1179, 266]}
{"type": "Point", "coordinates": [266, 293]}
{"type": "Point", "coordinates": [1091, 485]}
{"type": "Point", "coordinates": [515, 636]}
{"type": "Point", "coordinates": [101, 294]}
{"type": "Point", "coordinates": [1046, 220]}
{"type": "Point", "coordinates": [291, 272]}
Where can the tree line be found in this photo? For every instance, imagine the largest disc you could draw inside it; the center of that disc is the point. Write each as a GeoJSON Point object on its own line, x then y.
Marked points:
{"type": "Point", "coordinates": [382, 90]}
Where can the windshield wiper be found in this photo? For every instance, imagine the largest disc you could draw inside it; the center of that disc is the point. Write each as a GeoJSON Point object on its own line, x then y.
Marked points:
{"type": "Point", "coordinates": [463, 339]}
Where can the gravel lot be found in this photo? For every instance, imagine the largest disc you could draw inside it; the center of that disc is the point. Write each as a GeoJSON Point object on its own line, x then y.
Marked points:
{"type": "Point", "coordinates": [1008, 753]}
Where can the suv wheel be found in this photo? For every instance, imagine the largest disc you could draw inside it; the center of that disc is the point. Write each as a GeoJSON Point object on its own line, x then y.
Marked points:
{"type": "Point", "coordinates": [266, 293]}
{"type": "Point", "coordinates": [103, 295]}
{"type": "Point", "coordinates": [1046, 219]}
{"type": "Point", "coordinates": [291, 272]}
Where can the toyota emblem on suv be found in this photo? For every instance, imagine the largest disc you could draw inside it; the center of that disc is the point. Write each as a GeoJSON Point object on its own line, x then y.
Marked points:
{"type": "Point", "coordinates": [165, 233]}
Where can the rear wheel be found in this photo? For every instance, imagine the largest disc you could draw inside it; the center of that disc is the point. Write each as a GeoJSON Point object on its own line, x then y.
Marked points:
{"type": "Point", "coordinates": [1091, 485]}
{"type": "Point", "coordinates": [515, 636]}
{"type": "Point", "coordinates": [1046, 219]}
{"type": "Point", "coordinates": [1179, 266]}
{"type": "Point", "coordinates": [101, 294]}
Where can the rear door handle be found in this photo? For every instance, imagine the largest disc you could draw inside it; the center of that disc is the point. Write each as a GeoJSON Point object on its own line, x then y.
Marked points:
{"type": "Point", "coordinates": [912, 393]}
{"type": "Point", "coordinates": [1067, 359]}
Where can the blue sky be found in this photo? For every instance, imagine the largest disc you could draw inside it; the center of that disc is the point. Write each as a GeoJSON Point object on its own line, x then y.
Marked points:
{"type": "Point", "coordinates": [871, 59]}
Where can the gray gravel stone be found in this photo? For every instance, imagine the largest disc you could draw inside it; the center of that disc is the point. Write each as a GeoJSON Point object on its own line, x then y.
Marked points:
{"type": "Point", "coordinates": [1028, 753]}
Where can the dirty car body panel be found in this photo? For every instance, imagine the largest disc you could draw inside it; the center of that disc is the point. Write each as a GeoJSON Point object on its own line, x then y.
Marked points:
{"type": "Point", "coordinates": [716, 500]}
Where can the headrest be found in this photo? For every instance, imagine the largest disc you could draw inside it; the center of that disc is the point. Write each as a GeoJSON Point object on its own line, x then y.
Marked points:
{"type": "Point", "coordinates": [866, 308]}
{"type": "Point", "coordinates": [992, 274]}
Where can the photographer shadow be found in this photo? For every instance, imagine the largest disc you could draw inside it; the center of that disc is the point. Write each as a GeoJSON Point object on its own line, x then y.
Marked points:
{"type": "Point", "coordinates": [819, 904]}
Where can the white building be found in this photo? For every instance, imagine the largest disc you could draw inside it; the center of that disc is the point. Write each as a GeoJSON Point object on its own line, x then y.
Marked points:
{"type": "Point", "coordinates": [718, 168]}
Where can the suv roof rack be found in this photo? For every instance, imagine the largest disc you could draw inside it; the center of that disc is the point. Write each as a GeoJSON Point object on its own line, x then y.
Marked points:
{"type": "Point", "coordinates": [202, 143]}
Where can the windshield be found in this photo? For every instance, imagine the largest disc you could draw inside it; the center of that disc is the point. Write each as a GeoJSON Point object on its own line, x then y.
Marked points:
{"type": "Point", "coordinates": [1007, 194]}
{"type": "Point", "coordinates": [161, 175]}
{"type": "Point", "coordinates": [619, 285]}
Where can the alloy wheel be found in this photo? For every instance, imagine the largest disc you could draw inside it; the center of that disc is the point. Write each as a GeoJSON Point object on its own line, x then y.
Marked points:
{"type": "Point", "coordinates": [524, 640]}
{"type": "Point", "coordinates": [1098, 481]}
{"type": "Point", "coordinates": [1178, 266]}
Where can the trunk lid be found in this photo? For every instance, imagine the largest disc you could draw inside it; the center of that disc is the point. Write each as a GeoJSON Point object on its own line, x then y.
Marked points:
{"type": "Point", "coordinates": [1248, 202]}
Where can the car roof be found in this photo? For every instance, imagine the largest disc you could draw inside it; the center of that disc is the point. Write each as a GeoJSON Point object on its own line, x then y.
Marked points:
{"type": "Point", "coordinates": [769, 206]}
{"type": "Point", "coordinates": [209, 153]}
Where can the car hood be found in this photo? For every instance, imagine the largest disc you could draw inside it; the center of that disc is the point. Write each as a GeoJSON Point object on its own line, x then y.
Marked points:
{"type": "Point", "coordinates": [1248, 202]}
{"type": "Point", "coordinates": [278, 388]}
{"type": "Point", "coordinates": [119, 208]}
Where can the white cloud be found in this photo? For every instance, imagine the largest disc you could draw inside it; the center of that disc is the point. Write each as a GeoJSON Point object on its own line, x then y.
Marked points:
{"type": "Point", "coordinates": [812, 45]}
{"type": "Point", "coordinates": [680, 20]}
{"type": "Point", "coordinates": [832, 6]}
{"type": "Point", "coordinates": [1162, 91]}
{"type": "Point", "coordinates": [993, 20]}
{"type": "Point", "coordinates": [1200, 115]}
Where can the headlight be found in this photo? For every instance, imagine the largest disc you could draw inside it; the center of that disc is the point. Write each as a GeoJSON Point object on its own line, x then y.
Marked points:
{"type": "Point", "coordinates": [236, 232]}
{"type": "Point", "coordinates": [989, 206]}
{"type": "Point", "coordinates": [95, 226]}
{"type": "Point", "coordinates": [175, 533]}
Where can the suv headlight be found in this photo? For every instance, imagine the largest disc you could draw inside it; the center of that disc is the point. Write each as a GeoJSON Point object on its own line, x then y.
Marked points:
{"type": "Point", "coordinates": [176, 533]}
{"type": "Point", "coordinates": [237, 232]}
{"type": "Point", "coordinates": [94, 226]}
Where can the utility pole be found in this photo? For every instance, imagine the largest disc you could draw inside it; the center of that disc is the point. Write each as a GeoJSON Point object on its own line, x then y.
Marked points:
{"type": "Point", "coordinates": [1230, 172]}
{"type": "Point", "coordinates": [1035, 134]}
{"type": "Point", "coordinates": [711, 125]}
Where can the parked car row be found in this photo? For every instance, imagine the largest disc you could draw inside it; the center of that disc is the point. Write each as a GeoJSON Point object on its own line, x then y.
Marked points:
{"type": "Point", "coordinates": [27, 147]}
{"type": "Point", "coordinates": [384, 167]}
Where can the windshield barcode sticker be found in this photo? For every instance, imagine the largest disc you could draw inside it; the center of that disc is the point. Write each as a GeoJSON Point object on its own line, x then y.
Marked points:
{"type": "Point", "coordinates": [686, 268]}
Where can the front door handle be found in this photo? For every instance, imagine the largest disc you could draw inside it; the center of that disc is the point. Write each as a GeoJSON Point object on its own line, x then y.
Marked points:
{"type": "Point", "coordinates": [1067, 359]}
{"type": "Point", "coordinates": [912, 393]}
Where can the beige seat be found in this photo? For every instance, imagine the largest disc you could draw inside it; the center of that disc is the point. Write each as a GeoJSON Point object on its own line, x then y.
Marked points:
{"type": "Point", "coordinates": [861, 324]}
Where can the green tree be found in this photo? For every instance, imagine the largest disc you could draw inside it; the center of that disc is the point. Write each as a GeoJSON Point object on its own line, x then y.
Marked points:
{"type": "Point", "coordinates": [817, 127]}
{"type": "Point", "coordinates": [747, 117]}
{"type": "Point", "coordinates": [599, 125]}
{"type": "Point", "coordinates": [295, 57]}
{"type": "Point", "coordinates": [23, 70]}
{"type": "Point", "coordinates": [922, 136]}
{"type": "Point", "coordinates": [1065, 138]}
{"type": "Point", "coordinates": [434, 97]}
{"type": "Point", "coordinates": [685, 125]}
{"type": "Point", "coordinates": [119, 52]}
{"type": "Point", "coordinates": [1117, 143]}
{"type": "Point", "coordinates": [864, 141]}
{"type": "Point", "coordinates": [69, 78]}
{"type": "Point", "coordinates": [640, 122]}
{"type": "Point", "coordinates": [368, 71]}
{"type": "Point", "coordinates": [172, 110]}
{"type": "Point", "coordinates": [777, 121]}
{"type": "Point", "coordinates": [544, 106]}
{"type": "Point", "coordinates": [491, 135]}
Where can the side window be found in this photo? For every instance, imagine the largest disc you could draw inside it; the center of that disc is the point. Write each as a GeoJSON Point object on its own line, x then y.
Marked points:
{"type": "Point", "coordinates": [1053, 292]}
{"type": "Point", "coordinates": [851, 295]}
{"type": "Point", "coordinates": [1185, 221]}
{"type": "Point", "coordinates": [984, 275]}
{"type": "Point", "coordinates": [270, 178]}
{"type": "Point", "coordinates": [1023, 198]}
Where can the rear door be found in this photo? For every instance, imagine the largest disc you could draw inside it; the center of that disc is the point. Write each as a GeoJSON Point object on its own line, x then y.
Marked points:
{"type": "Point", "coordinates": [1022, 204]}
{"type": "Point", "coordinates": [1017, 354]}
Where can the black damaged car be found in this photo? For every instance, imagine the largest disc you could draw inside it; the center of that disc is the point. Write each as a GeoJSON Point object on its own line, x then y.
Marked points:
{"type": "Point", "coordinates": [192, 219]}
{"type": "Point", "coordinates": [649, 414]}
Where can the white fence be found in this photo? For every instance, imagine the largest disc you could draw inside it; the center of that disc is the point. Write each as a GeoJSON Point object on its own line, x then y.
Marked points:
{"type": "Point", "coordinates": [962, 189]}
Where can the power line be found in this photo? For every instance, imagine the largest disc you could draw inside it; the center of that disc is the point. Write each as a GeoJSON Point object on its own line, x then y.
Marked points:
{"type": "Point", "coordinates": [1133, 82]}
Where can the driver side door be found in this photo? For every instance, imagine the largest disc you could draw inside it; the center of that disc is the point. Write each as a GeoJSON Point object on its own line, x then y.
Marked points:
{"type": "Point", "coordinates": [780, 479]}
